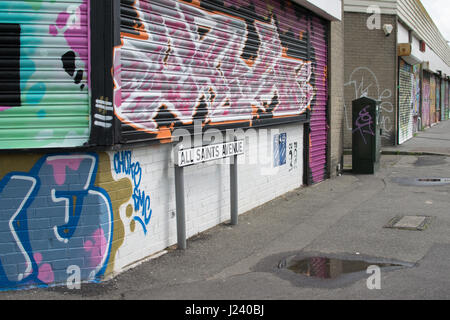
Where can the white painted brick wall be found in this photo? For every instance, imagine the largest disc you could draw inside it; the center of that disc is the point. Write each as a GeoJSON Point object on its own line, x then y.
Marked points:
{"type": "Point", "coordinates": [207, 191]}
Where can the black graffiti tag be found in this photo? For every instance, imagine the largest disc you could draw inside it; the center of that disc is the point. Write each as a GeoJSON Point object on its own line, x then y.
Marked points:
{"type": "Point", "coordinates": [69, 65]}
{"type": "Point", "coordinates": [364, 124]}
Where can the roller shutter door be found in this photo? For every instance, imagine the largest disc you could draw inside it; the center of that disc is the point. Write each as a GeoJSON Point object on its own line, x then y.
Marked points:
{"type": "Point", "coordinates": [432, 100]}
{"type": "Point", "coordinates": [426, 92]}
{"type": "Point", "coordinates": [319, 123]}
{"type": "Point", "coordinates": [44, 74]}
{"type": "Point", "coordinates": [406, 102]}
{"type": "Point", "coordinates": [235, 63]}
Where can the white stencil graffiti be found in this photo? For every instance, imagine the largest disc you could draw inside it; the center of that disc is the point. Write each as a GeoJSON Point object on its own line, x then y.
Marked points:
{"type": "Point", "coordinates": [364, 83]}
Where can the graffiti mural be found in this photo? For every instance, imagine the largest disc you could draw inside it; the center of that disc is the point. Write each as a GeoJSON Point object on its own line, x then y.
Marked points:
{"type": "Point", "coordinates": [55, 217]}
{"type": "Point", "coordinates": [123, 164]}
{"type": "Point", "coordinates": [364, 83]}
{"type": "Point", "coordinates": [186, 61]}
{"type": "Point", "coordinates": [44, 74]}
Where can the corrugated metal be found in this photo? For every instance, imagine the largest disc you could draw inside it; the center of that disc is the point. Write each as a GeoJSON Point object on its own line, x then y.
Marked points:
{"type": "Point", "coordinates": [319, 125]}
{"type": "Point", "coordinates": [432, 99]}
{"type": "Point", "coordinates": [223, 63]}
{"type": "Point", "coordinates": [216, 62]}
{"type": "Point", "coordinates": [426, 100]}
{"type": "Point", "coordinates": [44, 69]}
{"type": "Point", "coordinates": [406, 102]}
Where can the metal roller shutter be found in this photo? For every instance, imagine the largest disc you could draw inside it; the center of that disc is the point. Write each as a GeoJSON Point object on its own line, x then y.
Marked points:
{"type": "Point", "coordinates": [235, 63]}
{"type": "Point", "coordinates": [426, 90]}
{"type": "Point", "coordinates": [438, 99]}
{"type": "Point", "coordinates": [432, 99]}
{"type": "Point", "coordinates": [44, 70]}
{"type": "Point", "coordinates": [319, 122]}
{"type": "Point", "coordinates": [406, 102]}
{"type": "Point", "coordinates": [219, 62]}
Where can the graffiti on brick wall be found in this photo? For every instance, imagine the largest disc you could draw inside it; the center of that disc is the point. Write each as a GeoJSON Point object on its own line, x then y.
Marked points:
{"type": "Point", "coordinates": [203, 64]}
{"type": "Point", "coordinates": [44, 73]}
{"type": "Point", "coordinates": [123, 164]}
{"type": "Point", "coordinates": [55, 217]}
{"type": "Point", "coordinates": [364, 83]}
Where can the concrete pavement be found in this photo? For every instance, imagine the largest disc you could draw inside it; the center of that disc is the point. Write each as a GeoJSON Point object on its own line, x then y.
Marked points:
{"type": "Point", "coordinates": [342, 217]}
{"type": "Point", "coordinates": [434, 140]}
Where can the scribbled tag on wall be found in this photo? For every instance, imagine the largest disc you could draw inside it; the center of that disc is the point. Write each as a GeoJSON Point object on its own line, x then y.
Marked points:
{"type": "Point", "coordinates": [279, 149]}
{"type": "Point", "coordinates": [10, 65]}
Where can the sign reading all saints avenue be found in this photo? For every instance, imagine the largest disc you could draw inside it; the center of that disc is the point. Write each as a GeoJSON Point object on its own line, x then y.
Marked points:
{"type": "Point", "coordinates": [198, 155]}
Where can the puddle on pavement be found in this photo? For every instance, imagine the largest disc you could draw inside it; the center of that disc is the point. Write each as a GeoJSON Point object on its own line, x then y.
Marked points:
{"type": "Point", "coordinates": [424, 182]}
{"type": "Point", "coordinates": [315, 270]}
{"type": "Point", "coordinates": [326, 268]}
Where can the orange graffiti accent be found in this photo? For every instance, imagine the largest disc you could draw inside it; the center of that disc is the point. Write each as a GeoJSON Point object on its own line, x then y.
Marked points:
{"type": "Point", "coordinates": [255, 112]}
{"type": "Point", "coordinates": [142, 33]}
{"type": "Point", "coordinates": [195, 3]}
{"type": "Point", "coordinates": [250, 62]}
{"type": "Point", "coordinates": [165, 134]}
{"type": "Point", "coordinates": [285, 55]}
{"type": "Point", "coordinates": [301, 35]}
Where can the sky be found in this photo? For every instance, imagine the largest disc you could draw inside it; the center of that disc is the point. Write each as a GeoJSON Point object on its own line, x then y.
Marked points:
{"type": "Point", "coordinates": [439, 11]}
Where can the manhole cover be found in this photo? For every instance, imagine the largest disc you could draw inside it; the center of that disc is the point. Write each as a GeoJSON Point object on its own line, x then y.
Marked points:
{"type": "Point", "coordinates": [414, 223]}
{"type": "Point", "coordinates": [424, 182]}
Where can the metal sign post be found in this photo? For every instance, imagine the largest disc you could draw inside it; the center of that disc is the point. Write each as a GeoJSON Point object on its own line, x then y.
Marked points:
{"type": "Point", "coordinates": [193, 156]}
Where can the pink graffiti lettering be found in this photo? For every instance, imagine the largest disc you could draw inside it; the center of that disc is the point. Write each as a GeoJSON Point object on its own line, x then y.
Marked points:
{"type": "Point", "coordinates": [4, 108]}
{"type": "Point", "coordinates": [96, 247]}
{"type": "Point", "coordinates": [179, 68]}
{"type": "Point", "coordinates": [59, 168]}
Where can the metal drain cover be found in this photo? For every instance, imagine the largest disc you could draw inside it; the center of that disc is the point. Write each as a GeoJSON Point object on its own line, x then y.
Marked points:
{"type": "Point", "coordinates": [422, 182]}
{"type": "Point", "coordinates": [415, 223]}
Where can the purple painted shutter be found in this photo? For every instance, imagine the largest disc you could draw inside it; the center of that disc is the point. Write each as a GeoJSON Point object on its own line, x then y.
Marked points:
{"type": "Point", "coordinates": [319, 124]}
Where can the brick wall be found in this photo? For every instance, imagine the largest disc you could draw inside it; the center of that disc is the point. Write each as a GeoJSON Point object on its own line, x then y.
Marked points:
{"type": "Point", "coordinates": [336, 94]}
{"type": "Point", "coordinates": [370, 67]}
{"type": "Point", "coordinates": [69, 217]}
{"type": "Point", "coordinates": [207, 190]}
